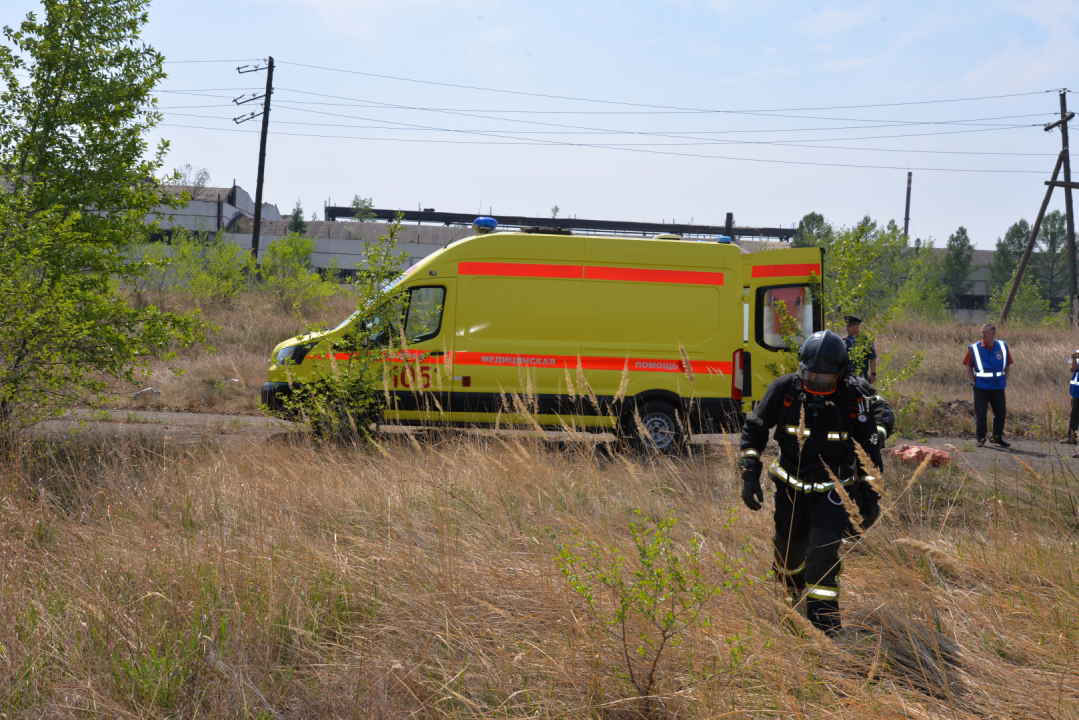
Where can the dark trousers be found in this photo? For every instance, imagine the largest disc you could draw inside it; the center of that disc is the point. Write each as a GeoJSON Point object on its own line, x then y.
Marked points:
{"type": "Point", "coordinates": [809, 529]}
{"type": "Point", "coordinates": [1073, 421]}
{"type": "Point", "coordinates": [983, 400]}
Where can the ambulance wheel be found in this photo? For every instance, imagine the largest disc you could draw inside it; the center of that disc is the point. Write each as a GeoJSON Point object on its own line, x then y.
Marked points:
{"type": "Point", "coordinates": [662, 429]}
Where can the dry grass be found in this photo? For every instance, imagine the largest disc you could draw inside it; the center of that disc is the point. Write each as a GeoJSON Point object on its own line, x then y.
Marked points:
{"type": "Point", "coordinates": [420, 580]}
{"type": "Point", "coordinates": [228, 379]}
{"type": "Point", "coordinates": [1038, 400]}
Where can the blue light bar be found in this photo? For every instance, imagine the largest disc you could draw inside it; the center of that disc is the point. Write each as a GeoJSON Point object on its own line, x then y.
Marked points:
{"type": "Point", "coordinates": [485, 224]}
{"type": "Point", "coordinates": [723, 239]}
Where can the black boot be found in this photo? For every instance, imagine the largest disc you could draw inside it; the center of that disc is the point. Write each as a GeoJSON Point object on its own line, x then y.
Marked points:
{"type": "Point", "coordinates": [824, 614]}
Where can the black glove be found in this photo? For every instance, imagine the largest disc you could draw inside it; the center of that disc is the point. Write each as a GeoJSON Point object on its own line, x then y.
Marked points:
{"type": "Point", "coordinates": [868, 502]}
{"type": "Point", "coordinates": [752, 494]}
{"type": "Point", "coordinates": [751, 482]}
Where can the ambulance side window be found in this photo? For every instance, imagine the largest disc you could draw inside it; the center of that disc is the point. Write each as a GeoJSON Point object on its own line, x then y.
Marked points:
{"type": "Point", "coordinates": [786, 312]}
{"type": "Point", "coordinates": [424, 318]}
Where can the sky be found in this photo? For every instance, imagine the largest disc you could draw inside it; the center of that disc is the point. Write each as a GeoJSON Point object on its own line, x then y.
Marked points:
{"type": "Point", "coordinates": [670, 110]}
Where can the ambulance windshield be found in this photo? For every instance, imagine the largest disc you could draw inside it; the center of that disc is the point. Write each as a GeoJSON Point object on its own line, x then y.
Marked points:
{"type": "Point", "coordinates": [359, 313]}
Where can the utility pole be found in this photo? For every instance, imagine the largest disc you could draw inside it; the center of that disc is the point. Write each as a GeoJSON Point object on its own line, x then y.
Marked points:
{"type": "Point", "coordinates": [1073, 296]}
{"type": "Point", "coordinates": [906, 218]}
{"type": "Point", "coordinates": [1063, 162]}
{"type": "Point", "coordinates": [265, 97]}
{"type": "Point", "coordinates": [1031, 240]}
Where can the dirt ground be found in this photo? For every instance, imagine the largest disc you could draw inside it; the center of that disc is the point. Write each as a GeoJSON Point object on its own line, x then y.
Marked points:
{"type": "Point", "coordinates": [177, 428]}
{"type": "Point", "coordinates": [184, 428]}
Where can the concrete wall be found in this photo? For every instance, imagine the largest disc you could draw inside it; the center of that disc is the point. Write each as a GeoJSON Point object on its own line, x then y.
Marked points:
{"type": "Point", "coordinates": [200, 215]}
{"type": "Point", "coordinates": [345, 240]}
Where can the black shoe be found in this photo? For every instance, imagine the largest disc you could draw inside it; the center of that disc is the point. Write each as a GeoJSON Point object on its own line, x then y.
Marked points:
{"type": "Point", "coordinates": [1001, 442]}
{"type": "Point", "coordinates": [981, 442]}
{"type": "Point", "coordinates": [1070, 440]}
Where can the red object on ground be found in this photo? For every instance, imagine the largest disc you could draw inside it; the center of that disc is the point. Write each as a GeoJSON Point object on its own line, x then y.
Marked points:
{"type": "Point", "coordinates": [915, 454]}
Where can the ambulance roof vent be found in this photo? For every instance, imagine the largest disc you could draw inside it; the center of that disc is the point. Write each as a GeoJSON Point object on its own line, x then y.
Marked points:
{"type": "Point", "coordinates": [666, 236]}
{"type": "Point", "coordinates": [485, 225]}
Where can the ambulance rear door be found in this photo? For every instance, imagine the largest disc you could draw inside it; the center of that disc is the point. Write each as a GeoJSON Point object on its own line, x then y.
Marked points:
{"type": "Point", "coordinates": [781, 306]}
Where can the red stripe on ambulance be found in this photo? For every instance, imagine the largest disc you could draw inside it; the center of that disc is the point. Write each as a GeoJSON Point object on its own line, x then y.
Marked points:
{"type": "Point", "coordinates": [677, 277]}
{"type": "Point", "coordinates": [591, 272]}
{"type": "Point", "coordinates": [570, 272]}
{"type": "Point", "coordinates": [399, 356]}
{"type": "Point", "coordinates": [767, 271]}
{"type": "Point", "coordinates": [588, 363]}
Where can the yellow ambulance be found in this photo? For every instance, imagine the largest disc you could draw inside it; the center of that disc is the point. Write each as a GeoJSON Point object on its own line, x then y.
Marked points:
{"type": "Point", "coordinates": [585, 332]}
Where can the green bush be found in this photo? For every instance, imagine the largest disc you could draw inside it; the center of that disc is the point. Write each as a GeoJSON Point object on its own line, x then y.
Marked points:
{"type": "Point", "coordinates": [209, 270]}
{"type": "Point", "coordinates": [646, 604]}
{"type": "Point", "coordinates": [341, 405]}
{"type": "Point", "coordinates": [285, 274]}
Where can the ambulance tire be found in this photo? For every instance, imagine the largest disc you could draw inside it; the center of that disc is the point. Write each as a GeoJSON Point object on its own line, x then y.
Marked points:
{"type": "Point", "coordinates": [664, 429]}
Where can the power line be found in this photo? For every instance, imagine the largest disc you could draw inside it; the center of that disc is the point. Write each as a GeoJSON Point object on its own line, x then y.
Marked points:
{"type": "Point", "coordinates": [901, 123]}
{"type": "Point", "coordinates": [374, 104]}
{"type": "Point", "coordinates": [656, 134]}
{"type": "Point", "coordinates": [550, 143]}
{"type": "Point", "coordinates": [377, 104]}
{"type": "Point", "coordinates": [665, 107]}
{"type": "Point", "coordinates": [699, 141]}
{"type": "Point", "coordinates": [183, 62]}
{"type": "Point", "coordinates": [781, 143]}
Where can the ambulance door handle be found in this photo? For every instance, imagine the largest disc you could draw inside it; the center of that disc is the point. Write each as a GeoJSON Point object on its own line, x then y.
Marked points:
{"type": "Point", "coordinates": [436, 353]}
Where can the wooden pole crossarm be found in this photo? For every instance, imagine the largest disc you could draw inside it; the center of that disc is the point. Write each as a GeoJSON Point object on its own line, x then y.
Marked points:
{"type": "Point", "coordinates": [1063, 184]}
{"type": "Point", "coordinates": [1059, 122]}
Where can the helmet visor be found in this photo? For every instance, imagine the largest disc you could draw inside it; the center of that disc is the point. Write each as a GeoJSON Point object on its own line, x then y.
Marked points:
{"type": "Point", "coordinates": [819, 383]}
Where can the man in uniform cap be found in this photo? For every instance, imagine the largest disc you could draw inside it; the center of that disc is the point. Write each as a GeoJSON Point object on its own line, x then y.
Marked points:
{"type": "Point", "coordinates": [864, 360]}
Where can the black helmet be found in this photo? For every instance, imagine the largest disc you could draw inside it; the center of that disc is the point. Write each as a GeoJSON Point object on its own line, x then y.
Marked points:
{"type": "Point", "coordinates": [822, 360]}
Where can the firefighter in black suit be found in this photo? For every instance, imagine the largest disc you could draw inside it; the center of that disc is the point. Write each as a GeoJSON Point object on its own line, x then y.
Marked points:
{"type": "Point", "coordinates": [810, 518]}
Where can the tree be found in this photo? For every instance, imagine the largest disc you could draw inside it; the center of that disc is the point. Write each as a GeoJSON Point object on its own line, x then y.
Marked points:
{"type": "Point", "coordinates": [1009, 251]}
{"type": "Point", "coordinates": [922, 294]}
{"type": "Point", "coordinates": [362, 209]}
{"type": "Point", "coordinates": [1029, 306]}
{"type": "Point", "coordinates": [74, 113]}
{"type": "Point", "coordinates": [864, 270]}
{"type": "Point", "coordinates": [813, 230]}
{"type": "Point", "coordinates": [955, 273]}
{"type": "Point", "coordinates": [1050, 264]}
{"type": "Point", "coordinates": [296, 223]}
{"type": "Point", "coordinates": [188, 176]}
{"type": "Point", "coordinates": [554, 212]}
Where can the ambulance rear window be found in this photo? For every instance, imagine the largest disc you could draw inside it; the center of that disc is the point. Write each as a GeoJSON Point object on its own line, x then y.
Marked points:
{"type": "Point", "coordinates": [786, 315]}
